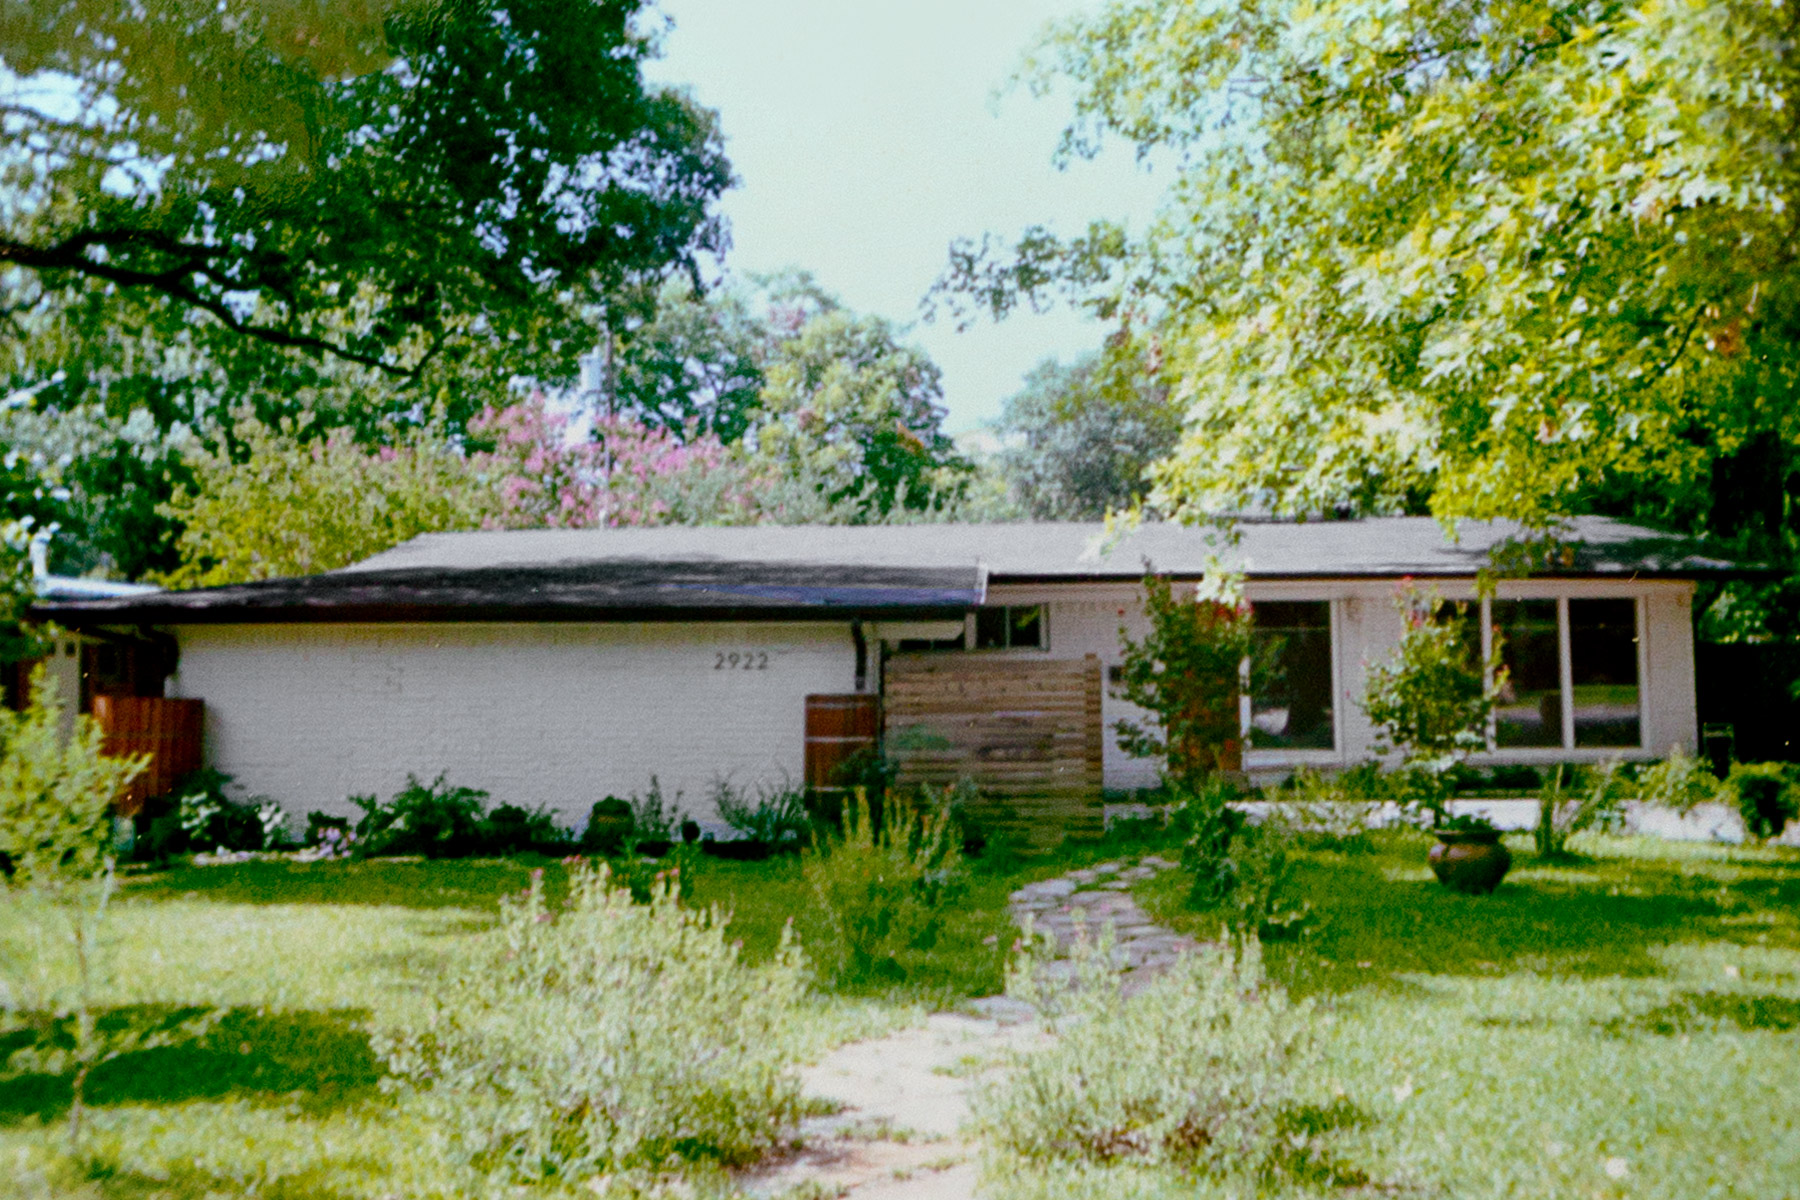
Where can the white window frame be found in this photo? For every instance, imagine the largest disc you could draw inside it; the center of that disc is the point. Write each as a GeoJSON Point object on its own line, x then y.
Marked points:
{"type": "Point", "coordinates": [1565, 653]}
{"type": "Point", "coordinates": [1259, 756]}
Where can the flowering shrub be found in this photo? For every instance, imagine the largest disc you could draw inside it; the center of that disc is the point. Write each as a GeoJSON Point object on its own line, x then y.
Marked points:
{"type": "Point", "coordinates": [1194, 1070]}
{"type": "Point", "coordinates": [603, 1035]}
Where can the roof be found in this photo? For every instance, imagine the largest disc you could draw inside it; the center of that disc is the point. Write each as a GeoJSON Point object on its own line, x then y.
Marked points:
{"type": "Point", "coordinates": [624, 589]}
{"type": "Point", "coordinates": [1377, 547]}
{"type": "Point", "coordinates": [901, 572]}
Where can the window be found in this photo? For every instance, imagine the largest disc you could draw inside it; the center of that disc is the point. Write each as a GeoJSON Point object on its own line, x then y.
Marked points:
{"type": "Point", "coordinates": [1010, 627]}
{"type": "Point", "coordinates": [1571, 674]}
{"type": "Point", "coordinates": [1293, 709]}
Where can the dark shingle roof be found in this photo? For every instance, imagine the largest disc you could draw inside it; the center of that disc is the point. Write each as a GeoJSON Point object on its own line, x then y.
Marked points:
{"type": "Point", "coordinates": [896, 572]}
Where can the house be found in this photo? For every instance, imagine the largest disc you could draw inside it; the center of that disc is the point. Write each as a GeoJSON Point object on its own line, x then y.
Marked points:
{"type": "Point", "coordinates": [556, 667]}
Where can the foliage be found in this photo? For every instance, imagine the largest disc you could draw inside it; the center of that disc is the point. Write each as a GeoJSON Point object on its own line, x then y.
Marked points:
{"type": "Point", "coordinates": [654, 818]}
{"type": "Point", "coordinates": [510, 829]}
{"type": "Point", "coordinates": [1497, 259]}
{"type": "Point", "coordinates": [774, 816]}
{"type": "Point", "coordinates": [1595, 799]}
{"type": "Point", "coordinates": [281, 506]}
{"type": "Point", "coordinates": [609, 826]}
{"type": "Point", "coordinates": [433, 819]}
{"type": "Point", "coordinates": [1195, 1070]}
{"type": "Point", "coordinates": [57, 792]}
{"type": "Point", "coordinates": [202, 815]}
{"type": "Point", "coordinates": [1768, 796]}
{"type": "Point", "coordinates": [1080, 437]}
{"type": "Point", "coordinates": [1680, 782]}
{"type": "Point", "coordinates": [602, 1034]}
{"type": "Point", "coordinates": [1187, 672]}
{"type": "Point", "coordinates": [1336, 813]}
{"type": "Point", "coordinates": [693, 364]}
{"type": "Point", "coordinates": [882, 884]}
{"type": "Point", "coordinates": [1434, 698]}
{"type": "Point", "coordinates": [390, 187]}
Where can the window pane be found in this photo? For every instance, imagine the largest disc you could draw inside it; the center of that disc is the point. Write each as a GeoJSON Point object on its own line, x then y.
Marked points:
{"type": "Point", "coordinates": [1529, 712]}
{"type": "Point", "coordinates": [1603, 655]}
{"type": "Point", "coordinates": [1292, 709]}
{"type": "Point", "coordinates": [990, 628]}
{"type": "Point", "coordinates": [1027, 625]}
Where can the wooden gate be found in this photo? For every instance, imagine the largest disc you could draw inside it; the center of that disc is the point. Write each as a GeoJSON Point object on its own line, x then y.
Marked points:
{"type": "Point", "coordinates": [167, 730]}
{"type": "Point", "coordinates": [1027, 732]}
{"type": "Point", "coordinates": [838, 730]}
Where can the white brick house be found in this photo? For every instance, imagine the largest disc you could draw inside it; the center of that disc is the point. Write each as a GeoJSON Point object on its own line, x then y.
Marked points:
{"type": "Point", "coordinates": [555, 667]}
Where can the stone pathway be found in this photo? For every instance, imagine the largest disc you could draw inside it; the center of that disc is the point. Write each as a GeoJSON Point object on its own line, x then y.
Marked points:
{"type": "Point", "coordinates": [903, 1098]}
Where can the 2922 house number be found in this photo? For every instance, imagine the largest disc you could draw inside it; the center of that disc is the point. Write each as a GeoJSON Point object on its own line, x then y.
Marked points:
{"type": "Point", "coordinates": [749, 660]}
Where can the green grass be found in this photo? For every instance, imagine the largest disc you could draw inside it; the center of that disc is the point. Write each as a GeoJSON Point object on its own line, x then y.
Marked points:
{"type": "Point", "coordinates": [266, 978]}
{"type": "Point", "coordinates": [1637, 1009]}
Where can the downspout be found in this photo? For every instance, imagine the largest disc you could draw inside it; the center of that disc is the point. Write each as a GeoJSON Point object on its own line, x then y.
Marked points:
{"type": "Point", "coordinates": [862, 656]}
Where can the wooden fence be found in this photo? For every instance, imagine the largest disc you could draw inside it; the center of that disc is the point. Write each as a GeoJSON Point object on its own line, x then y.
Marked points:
{"type": "Point", "coordinates": [167, 730]}
{"type": "Point", "coordinates": [1027, 732]}
{"type": "Point", "coordinates": [841, 732]}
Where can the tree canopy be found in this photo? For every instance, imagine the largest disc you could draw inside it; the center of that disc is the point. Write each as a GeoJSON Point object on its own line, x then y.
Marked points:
{"type": "Point", "coordinates": [1502, 258]}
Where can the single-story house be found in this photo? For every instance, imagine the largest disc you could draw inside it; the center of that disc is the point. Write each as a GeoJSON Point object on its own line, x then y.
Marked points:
{"type": "Point", "coordinates": [557, 667]}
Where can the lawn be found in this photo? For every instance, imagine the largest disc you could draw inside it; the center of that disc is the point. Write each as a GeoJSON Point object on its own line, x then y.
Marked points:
{"type": "Point", "coordinates": [269, 976]}
{"type": "Point", "coordinates": [1623, 1024]}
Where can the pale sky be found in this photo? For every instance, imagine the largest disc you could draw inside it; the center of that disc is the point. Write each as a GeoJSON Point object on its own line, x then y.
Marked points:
{"type": "Point", "coordinates": [867, 137]}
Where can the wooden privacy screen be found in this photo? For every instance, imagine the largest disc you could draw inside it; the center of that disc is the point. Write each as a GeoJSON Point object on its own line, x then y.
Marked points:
{"type": "Point", "coordinates": [1026, 731]}
{"type": "Point", "coordinates": [838, 728]}
{"type": "Point", "coordinates": [167, 730]}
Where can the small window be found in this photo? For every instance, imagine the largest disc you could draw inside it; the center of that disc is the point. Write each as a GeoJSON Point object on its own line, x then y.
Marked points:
{"type": "Point", "coordinates": [1010, 627]}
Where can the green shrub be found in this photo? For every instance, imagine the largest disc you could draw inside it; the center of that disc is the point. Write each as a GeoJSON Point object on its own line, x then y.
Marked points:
{"type": "Point", "coordinates": [201, 815]}
{"type": "Point", "coordinates": [774, 816]}
{"type": "Point", "coordinates": [653, 817]}
{"type": "Point", "coordinates": [609, 825]}
{"type": "Point", "coordinates": [1768, 796]}
{"type": "Point", "coordinates": [1433, 699]}
{"type": "Point", "coordinates": [882, 886]}
{"type": "Point", "coordinates": [435, 820]}
{"type": "Point", "coordinates": [603, 1035]}
{"type": "Point", "coordinates": [1204, 823]}
{"type": "Point", "coordinates": [1593, 798]}
{"type": "Point", "coordinates": [1195, 1070]}
{"type": "Point", "coordinates": [1680, 783]}
{"type": "Point", "coordinates": [510, 829]}
{"type": "Point", "coordinates": [1323, 812]}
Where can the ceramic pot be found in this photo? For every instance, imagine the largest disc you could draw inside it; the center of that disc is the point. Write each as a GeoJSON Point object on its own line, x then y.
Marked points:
{"type": "Point", "coordinates": [1470, 860]}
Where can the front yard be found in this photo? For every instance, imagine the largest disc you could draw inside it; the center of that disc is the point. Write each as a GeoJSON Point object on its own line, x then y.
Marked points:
{"type": "Point", "coordinates": [1627, 1024]}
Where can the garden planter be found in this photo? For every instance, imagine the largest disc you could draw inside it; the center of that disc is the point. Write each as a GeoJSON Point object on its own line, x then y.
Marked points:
{"type": "Point", "coordinates": [1470, 860]}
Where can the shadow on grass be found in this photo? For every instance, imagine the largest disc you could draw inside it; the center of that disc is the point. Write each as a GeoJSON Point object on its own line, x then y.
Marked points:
{"type": "Point", "coordinates": [1379, 921]}
{"type": "Point", "coordinates": [1696, 1012]}
{"type": "Point", "coordinates": [320, 1061]}
{"type": "Point", "coordinates": [403, 883]}
{"type": "Point", "coordinates": [107, 1182]}
{"type": "Point", "coordinates": [1305, 1157]}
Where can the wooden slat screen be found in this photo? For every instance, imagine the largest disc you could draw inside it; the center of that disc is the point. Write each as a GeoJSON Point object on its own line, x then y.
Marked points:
{"type": "Point", "coordinates": [1027, 732]}
{"type": "Point", "coordinates": [167, 730]}
{"type": "Point", "coordinates": [838, 728]}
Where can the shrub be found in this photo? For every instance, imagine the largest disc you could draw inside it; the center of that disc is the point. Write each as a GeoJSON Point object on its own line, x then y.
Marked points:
{"type": "Point", "coordinates": [1680, 783]}
{"type": "Point", "coordinates": [435, 820]}
{"type": "Point", "coordinates": [601, 1036]}
{"type": "Point", "coordinates": [510, 829]}
{"type": "Point", "coordinates": [1195, 1070]}
{"type": "Point", "coordinates": [202, 815]}
{"type": "Point", "coordinates": [609, 825]}
{"type": "Point", "coordinates": [1187, 672]}
{"type": "Point", "coordinates": [882, 886]}
{"type": "Point", "coordinates": [654, 818]}
{"type": "Point", "coordinates": [1433, 700]}
{"type": "Point", "coordinates": [1594, 799]}
{"type": "Point", "coordinates": [1204, 822]}
{"type": "Point", "coordinates": [773, 816]}
{"type": "Point", "coordinates": [1768, 797]}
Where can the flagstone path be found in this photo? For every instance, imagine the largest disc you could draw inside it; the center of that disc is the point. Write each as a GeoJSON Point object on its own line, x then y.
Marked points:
{"type": "Point", "coordinates": [903, 1099]}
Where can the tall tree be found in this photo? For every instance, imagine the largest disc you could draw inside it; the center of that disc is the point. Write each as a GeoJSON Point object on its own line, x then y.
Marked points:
{"type": "Point", "coordinates": [358, 211]}
{"type": "Point", "coordinates": [1501, 258]}
{"type": "Point", "coordinates": [1081, 436]}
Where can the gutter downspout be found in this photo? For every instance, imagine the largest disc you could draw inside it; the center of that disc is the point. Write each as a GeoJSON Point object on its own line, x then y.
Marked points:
{"type": "Point", "coordinates": [862, 656]}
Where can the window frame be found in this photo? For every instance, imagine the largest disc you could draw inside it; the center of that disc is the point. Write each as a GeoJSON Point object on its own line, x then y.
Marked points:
{"type": "Point", "coordinates": [1565, 653]}
{"type": "Point", "coordinates": [971, 638]}
{"type": "Point", "coordinates": [1255, 756]}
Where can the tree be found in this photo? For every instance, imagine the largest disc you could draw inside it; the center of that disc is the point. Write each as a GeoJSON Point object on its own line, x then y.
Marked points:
{"type": "Point", "coordinates": [1497, 259]}
{"type": "Point", "coordinates": [694, 361]}
{"type": "Point", "coordinates": [1433, 700]}
{"type": "Point", "coordinates": [1081, 437]}
{"type": "Point", "coordinates": [359, 215]}
{"type": "Point", "coordinates": [283, 507]}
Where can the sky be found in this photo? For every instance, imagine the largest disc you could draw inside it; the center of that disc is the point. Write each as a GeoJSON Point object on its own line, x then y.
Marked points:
{"type": "Point", "coordinates": [867, 136]}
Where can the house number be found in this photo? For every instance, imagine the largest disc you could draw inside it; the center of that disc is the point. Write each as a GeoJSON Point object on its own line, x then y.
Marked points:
{"type": "Point", "coordinates": [749, 660]}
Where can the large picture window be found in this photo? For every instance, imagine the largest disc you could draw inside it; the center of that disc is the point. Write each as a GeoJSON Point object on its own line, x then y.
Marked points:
{"type": "Point", "coordinates": [1571, 674]}
{"type": "Point", "coordinates": [1292, 708]}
